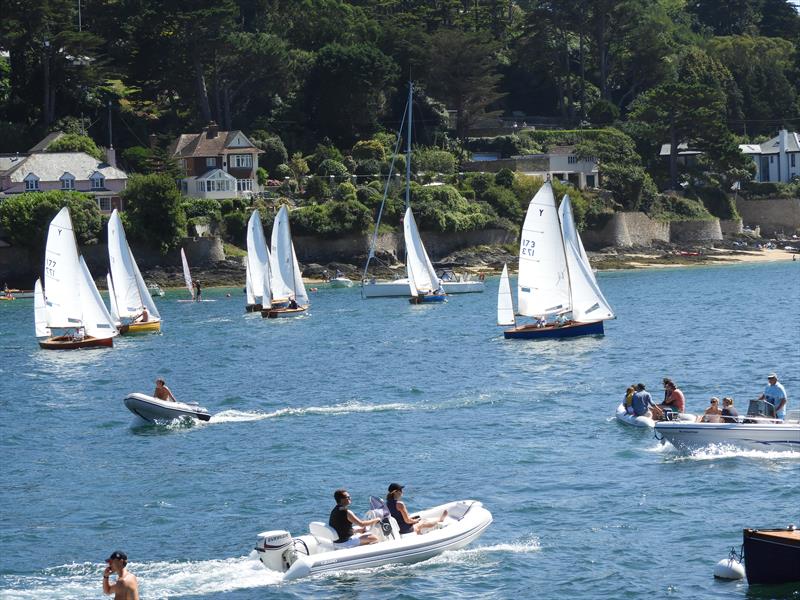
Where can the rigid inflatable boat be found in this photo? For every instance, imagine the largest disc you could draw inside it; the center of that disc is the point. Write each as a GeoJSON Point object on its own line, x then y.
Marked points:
{"type": "Point", "coordinates": [152, 409]}
{"type": "Point", "coordinates": [314, 553]}
{"type": "Point", "coordinates": [635, 421]}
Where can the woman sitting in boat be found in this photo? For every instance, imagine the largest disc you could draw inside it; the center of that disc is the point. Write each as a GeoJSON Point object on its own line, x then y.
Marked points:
{"type": "Point", "coordinates": [406, 523]}
{"type": "Point", "coordinates": [674, 400]}
{"type": "Point", "coordinates": [162, 391]}
{"type": "Point", "coordinates": [713, 413]}
{"type": "Point", "coordinates": [629, 399]}
{"type": "Point", "coordinates": [729, 414]}
{"type": "Point", "coordinates": [342, 520]}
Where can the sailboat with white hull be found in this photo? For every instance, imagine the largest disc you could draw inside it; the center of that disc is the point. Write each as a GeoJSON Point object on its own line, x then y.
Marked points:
{"type": "Point", "coordinates": [132, 304]}
{"type": "Point", "coordinates": [69, 308]}
{"type": "Point", "coordinates": [423, 281]}
{"type": "Point", "coordinates": [556, 285]}
{"type": "Point", "coordinates": [289, 296]}
{"type": "Point", "coordinates": [258, 274]}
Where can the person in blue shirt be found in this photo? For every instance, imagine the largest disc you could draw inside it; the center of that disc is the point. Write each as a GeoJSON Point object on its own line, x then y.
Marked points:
{"type": "Point", "coordinates": [642, 402]}
{"type": "Point", "coordinates": [775, 394]}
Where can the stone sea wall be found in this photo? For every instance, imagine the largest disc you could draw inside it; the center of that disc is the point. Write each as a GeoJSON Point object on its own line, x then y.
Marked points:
{"type": "Point", "coordinates": [775, 216]}
{"type": "Point", "coordinates": [637, 229]}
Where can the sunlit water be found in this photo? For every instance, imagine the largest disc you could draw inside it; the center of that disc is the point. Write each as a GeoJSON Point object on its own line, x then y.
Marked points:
{"type": "Point", "coordinates": [362, 393]}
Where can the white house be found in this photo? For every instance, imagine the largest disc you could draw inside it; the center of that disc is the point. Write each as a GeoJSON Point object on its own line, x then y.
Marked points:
{"type": "Point", "coordinates": [777, 159]}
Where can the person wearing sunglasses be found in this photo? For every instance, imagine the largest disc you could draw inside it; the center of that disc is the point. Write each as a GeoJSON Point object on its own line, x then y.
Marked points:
{"type": "Point", "coordinates": [342, 520]}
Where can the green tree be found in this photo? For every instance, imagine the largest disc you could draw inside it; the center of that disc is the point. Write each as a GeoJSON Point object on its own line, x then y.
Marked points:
{"type": "Point", "coordinates": [72, 142]}
{"type": "Point", "coordinates": [155, 212]}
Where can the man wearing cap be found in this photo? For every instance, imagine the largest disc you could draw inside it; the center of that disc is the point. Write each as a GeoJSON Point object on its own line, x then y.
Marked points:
{"type": "Point", "coordinates": [342, 520]}
{"type": "Point", "coordinates": [775, 395]}
{"type": "Point", "coordinates": [126, 587]}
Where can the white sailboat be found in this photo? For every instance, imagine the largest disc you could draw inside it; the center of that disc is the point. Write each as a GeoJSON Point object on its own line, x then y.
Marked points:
{"type": "Point", "coordinates": [134, 306]}
{"type": "Point", "coordinates": [289, 297]}
{"type": "Point", "coordinates": [258, 272]}
{"type": "Point", "coordinates": [505, 302]}
{"type": "Point", "coordinates": [423, 282]}
{"type": "Point", "coordinates": [556, 284]}
{"type": "Point", "coordinates": [74, 313]}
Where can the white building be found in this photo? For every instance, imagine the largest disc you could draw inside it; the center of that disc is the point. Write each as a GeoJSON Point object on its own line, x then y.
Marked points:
{"type": "Point", "coordinates": [777, 159]}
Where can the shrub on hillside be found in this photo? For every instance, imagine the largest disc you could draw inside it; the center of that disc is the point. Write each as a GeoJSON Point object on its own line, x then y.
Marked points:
{"type": "Point", "coordinates": [330, 167]}
{"type": "Point", "coordinates": [369, 150]}
{"type": "Point", "coordinates": [155, 212]}
{"type": "Point", "coordinates": [431, 160]}
{"type": "Point", "coordinates": [236, 226]}
{"type": "Point", "coordinates": [73, 142]}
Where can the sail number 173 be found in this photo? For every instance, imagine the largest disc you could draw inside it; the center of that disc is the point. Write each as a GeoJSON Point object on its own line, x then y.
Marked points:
{"type": "Point", "coordinates": [526, 247]}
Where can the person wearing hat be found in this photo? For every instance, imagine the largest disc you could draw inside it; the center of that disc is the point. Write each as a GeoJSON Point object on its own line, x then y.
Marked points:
{"type": "Point", "coordinates": [775, 395]}
{"type": "Point", "coordinates": [342, 520]}
{"type": "Point", "coordinates": [126, 587]}
{"type": "Point", "coordinates": [405, 522]}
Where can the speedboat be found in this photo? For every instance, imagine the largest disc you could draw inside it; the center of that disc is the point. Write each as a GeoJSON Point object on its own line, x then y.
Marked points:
{"type": "Point", "coordinates": [340, 282]}
{"type": "Point", "coordinates": [459, 284]}
{"type": "Point", "coordinates": [155, 290]}
{"type": "Point", "coordinates": [152, 409]}
{"type": "Point", "coordinates": [314, 553]}
{"type": "Point", "coordinates": [624, 417]}
{"type": "Point", "coordinates": [754, 433]}
{"type": "Point", "coordinates": [397, 288]}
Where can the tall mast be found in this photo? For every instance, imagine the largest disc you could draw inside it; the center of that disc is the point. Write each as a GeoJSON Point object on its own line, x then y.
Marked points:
{"type": "Point", "coordinates": [408, 146]}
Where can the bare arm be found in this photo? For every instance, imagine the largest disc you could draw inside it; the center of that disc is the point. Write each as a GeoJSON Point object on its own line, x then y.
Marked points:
{"type": "Point", "coordinates": [404, 513]}
{"type": "Point", "coordinates": [169, 394]}
{"type": "Point", "coordinates": [356, 521]}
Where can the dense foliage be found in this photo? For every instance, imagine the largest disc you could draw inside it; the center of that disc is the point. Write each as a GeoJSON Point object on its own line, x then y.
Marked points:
{"type": "Point", "coordinates": [154, 211]}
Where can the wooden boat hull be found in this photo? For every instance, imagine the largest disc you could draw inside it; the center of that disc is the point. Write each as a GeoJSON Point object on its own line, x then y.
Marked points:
{"type": "Point", "coordinates": [771, 555]}
{"type": "Point", "coordinates": [63, 342]}
{"type": "Point", "coordinates": [253, 307]}
{"type": "Point", "coordinates": [428, 299]}
{"type": "Point", "coordinates": [531, 332]}
{"type": "Point", "coordinates": [276, 313]}
{"type": "Point", "coordinates": [148, 327]}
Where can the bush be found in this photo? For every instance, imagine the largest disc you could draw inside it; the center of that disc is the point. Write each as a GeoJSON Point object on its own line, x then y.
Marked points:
{"type": "Point", "coordinates": [231, 204]}
{"type": "Point", "coordinates": [399, 166]}
{"type": "Point", "coordinates": [442, 208]}
{"type": "Point", "coordinates": [603, 112]}
{"type": "Point", "coordinates": [345, 192]}
{"type": "Point", "coordinates": [262, 175]}
{"type": "Point", "coordinates": [321, 153]}
{"type": "Point", "coordinates": [330, 167]}
{"type": "Point", "coordinates": [137, 159]}
{"type": "Point", "coordinates": [274, 152]}
{"type": "Point", "coordinates": [72, 142]}
{"type": "Point", "coordinates": [504, 178]}
{"type": "Point", "coordinates": [236, 226]}
{"type": "Point", "coordinates": [332, 218]}
{"type": "Point", "coordinates": [369, 150]}
{"type": "Point", "coordinates": [282, 171]}
{"type": "Point", "coordinates": [669, 207]}
{"type": "Point", "coordinates": [504, 202]}
{"type": "Point", "coordinates": [317, 189]}
{"type": "Point", "coordinates": [717, 202]}
{"type": "Point", "coordinates": [480, 182]}
{"type": "Point", "coordinates": [368, 168]}
{"type": "Point", "coordinates": [154, 210]}
{"type": "Point", "coordinates": [202, 207]}
{"type": "Point", "coordinates": [431, 160]}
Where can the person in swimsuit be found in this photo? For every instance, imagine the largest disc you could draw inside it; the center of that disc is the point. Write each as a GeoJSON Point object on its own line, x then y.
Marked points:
{"type": "Point", "coordinates": [713, 413]}
{"type": "Point", "coordinates": [162, 391]}
{"type": "Point", "coordinates": [126, 587]}
{"type": "Point", "coordinates": [674, 399]}
{"type": "Point", "coordinates": [342, 520]}
{"type": "Point", "coordinates": [406, 523]}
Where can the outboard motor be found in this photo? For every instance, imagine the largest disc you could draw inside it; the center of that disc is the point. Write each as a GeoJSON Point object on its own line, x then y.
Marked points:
{"type": "Point", "coordinates": [276, 550]}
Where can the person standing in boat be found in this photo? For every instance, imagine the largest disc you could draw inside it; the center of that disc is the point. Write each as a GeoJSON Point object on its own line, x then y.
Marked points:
{"type": "Point", "coordinates": [163, 392]}
{"type": "Point", "coordinates": [775, 394]}
{"type": "Point", "coordinates": [342, 520]}
{"type": "Point", "coordinates": [729, 413]}
{"type": "Point", "coordinates": [642, 402]}
{"type": "Point", "coordinates": [126, 587]}
{"type": "Point", "coordinates": [674, 400]}
{"type": "Point", "coordinates": [406, 523]}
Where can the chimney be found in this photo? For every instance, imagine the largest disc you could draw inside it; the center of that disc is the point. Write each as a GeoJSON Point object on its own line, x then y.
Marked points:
{"type": "Point", "coordinates": [212, 130]}
{"type": "Point", "coordinates": [111, 156]}
{"type": "Point", "coordinates": [782, 135]}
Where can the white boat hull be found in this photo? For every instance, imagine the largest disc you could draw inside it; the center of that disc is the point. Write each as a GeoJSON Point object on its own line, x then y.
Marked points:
{"type": "Point", "coordinates": [752, 436]}
{"type": "Point", "coordinates": [409, 548]}
{"type": "Point", "coordinates": [152, 409]}
{"type": "Point", "coordinates": [340, 282]}
{"type": "Point", "coordinates": [623, 417]}
{"type": "Point", "coordinates": [462, 287]}
{"type": "Point", "coordinates": [399, 288]}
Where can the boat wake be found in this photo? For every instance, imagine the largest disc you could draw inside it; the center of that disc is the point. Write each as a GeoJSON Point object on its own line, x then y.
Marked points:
{"type": "Point", "coordinates": [715, 452]}
{"type": "Point", "coordinates": [234, 416]}
{"type": "Point", "coordinates": [156, 579]}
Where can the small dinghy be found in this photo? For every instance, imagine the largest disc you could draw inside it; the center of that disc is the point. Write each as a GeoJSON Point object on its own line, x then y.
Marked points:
{"type": "Point", "coordinates": [314, 553]}
{"type": "Point", "coordinates": [633, 420]}
{"type": "Point", "coordinates": [152, 409]}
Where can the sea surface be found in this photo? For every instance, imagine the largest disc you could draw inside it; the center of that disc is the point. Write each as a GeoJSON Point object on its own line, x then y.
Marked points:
{"type": "Point", "coordinates": [361, 393]}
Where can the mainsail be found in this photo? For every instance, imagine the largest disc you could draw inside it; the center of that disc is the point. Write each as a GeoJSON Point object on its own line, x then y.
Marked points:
{"type": "Point", "coordinates": [422, 276]}
{"type": "Point", "coordinates": [187, 276]}
{"type": "Point", "coordinates": [258, 261]}
{"type": "Point", "coordinates": [505, 303]}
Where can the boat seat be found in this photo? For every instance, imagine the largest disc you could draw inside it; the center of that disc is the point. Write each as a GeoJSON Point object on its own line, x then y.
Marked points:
{"type": "Point", "coordinates": [322, 531]}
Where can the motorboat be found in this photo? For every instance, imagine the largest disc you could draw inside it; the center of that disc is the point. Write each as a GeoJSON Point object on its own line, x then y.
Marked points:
{"type": "Point", "coordinates": [340, 282]}
{"type": "Point", "coordinates": [452, 283]}
{"type": "Point", "coordinates": [758, 430]}
{"type": "Point", "coordinates": [398, 288]}
{"type": "Point", "coordinates": [772, 555]}
{"type": "Point", "coordinates": [314, 553]}
{"type": "Point", "coordinates": [152, 409]}
{"type": "Point", "coordinates": [155, 290]}
{"type": "Point", "coordinates": [629, 419]}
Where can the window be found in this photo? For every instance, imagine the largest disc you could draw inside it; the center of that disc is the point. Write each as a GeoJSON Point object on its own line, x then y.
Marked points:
{"type": "Point", "coordinates": [211, 162]}
{"type": "Point", "coordinates": [31, 183]}
{"type": "Point", "coordinates": [218, 185]}
{"type": "Point", "coordinates": [572, 160]}
{"type": "Point", "coordinates": [242, 161]}
{"type": "Point", "coordinates": [67, 182]}
{"type": "Point", "coordinates": [771, 158]}
{"type": "Point", "coordinates": [98, 181]}
{"type": "Point", "coordinates": [792, 159]}
{"type": "Point", "coordinates": [244, 185]}
{"type": "Point", "coordinates": [104, 202]}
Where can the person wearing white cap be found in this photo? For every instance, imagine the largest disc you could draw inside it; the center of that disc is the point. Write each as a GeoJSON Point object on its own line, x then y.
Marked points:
{"type": "Point", "coordinates": [775, 394]}
{"type": "Point", "coordinates": [126, 587]}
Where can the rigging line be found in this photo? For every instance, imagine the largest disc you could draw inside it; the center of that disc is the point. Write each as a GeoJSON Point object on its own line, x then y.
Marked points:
{"type": "Point", "coordinates": [124, 122]}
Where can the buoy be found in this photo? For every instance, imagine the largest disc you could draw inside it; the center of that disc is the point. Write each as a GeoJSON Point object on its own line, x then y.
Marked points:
{"type": "Point", "coordinates": [729, 568]}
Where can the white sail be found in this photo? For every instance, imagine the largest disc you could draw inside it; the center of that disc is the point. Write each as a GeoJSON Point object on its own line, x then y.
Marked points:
{"type": "Point", "coordinates": [187, 276]}
{"type": "Point", "coordinates": [97, 322]}
{"type": "Point", "coordinates": [505, 303]}
{"type": "Point", "coordinates": [421, 274]}
{"type": "Point", "coordinates": [126, 288]}
{"type": "Point", "coordinates": [61, 273]}
{"type": "Point", "coordinates": [588, 302]}
{"type": "Point", "coordinates": [281, 259]}
{"type": "Point", "coordinates": [39, 310]}
{"type": "Point", "coordinates": [147, 299]}
{"type": "Point", "coordinates": [543, 281]}
{"type": "Point", "coordinates": [300, 295]}
{"type": "Point", "coordinates": [258, 260]}
{"type": "Point", "coordinates": [248, 284]}
{"type": "Point", "coordinates": [112, 300]}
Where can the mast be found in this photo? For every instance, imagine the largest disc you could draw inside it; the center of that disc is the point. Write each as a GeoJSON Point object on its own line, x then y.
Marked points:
{"type": "Point", "coordinates": [408, 145]}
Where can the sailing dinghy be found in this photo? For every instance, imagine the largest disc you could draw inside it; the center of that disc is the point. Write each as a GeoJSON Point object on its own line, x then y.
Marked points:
{"type": "Point", "coordinates": [69, 308]}
{"type": "Point", "coordinates": [132, 303]}
{"type": "Point", "coordinates": [423, 281]}
{"type": "Point", "coordinates": [556, 284]}
{"type": "Point", "coordinates": [258, 274]}
{"type": "Point", "coordinates": [289, 297]}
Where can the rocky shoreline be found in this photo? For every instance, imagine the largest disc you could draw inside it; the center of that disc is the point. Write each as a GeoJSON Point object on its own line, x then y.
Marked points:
{"type": "Point", "coordinates": [489, 260]}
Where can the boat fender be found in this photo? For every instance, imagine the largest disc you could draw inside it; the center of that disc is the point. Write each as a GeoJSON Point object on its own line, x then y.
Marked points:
{"type": "Point", "coordinates": [731, 567]}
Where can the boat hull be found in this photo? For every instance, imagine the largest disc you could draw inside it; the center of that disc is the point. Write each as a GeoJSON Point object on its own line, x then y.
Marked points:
{"type": "Point", "coordinates": [462, 287]}
{"type": "Point", "coordinates": [147, 327]}
{"type": "Point", "coordinates": [771, 555]}
{"type": "Point", "coordinates": [531, 332]}
{"type": "Point", "coordinates": [386, 289]}
{"type": "Point", "coordinates": [428, 299]}
{"type": "Point", "coordinates": [279, 313]}
{"type": "Point", "coordinates": [63, 342]}
{"type": "Point", "coordinates": [340, 282]}
{"type": "Point", "coordinates": [623, 417]}
{"type": "Point", "coordinates": [751, 436]}
{"type": "Point", "coordinates": [254, 307]}
{"type": "Point", "coordinates": [152, 409]}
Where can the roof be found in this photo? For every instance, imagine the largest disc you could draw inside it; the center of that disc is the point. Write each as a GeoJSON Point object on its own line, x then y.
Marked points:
{"type": "Point", "coordinates": [51, 166]}
{"type": "Point", "coordinates": [683, 150]}
{"type": "Point", "coordinates": [9, 161]}
{"type": "Point", "coordinates": [773, 145]}
{"type": "Point", "coordinates": [46, 141]}
{"type": "Point", "coordinates": [201, 145]}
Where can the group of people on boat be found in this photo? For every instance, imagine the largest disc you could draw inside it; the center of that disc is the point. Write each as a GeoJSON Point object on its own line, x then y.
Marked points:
{"type": "Point", "coordinates": [639, 402]}
{"type": "Point", "coordinates": [560, 320]}
{"type": "Point", "coordinates": [343, 520]}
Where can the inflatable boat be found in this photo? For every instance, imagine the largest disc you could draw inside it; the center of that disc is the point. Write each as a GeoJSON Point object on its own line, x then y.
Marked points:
{"type": "Point", "coordinates": [314, 553]}
{"type": "Point", "coordinates": [152, 409]}
{"type": "Point", "coordinates": [629, 419]}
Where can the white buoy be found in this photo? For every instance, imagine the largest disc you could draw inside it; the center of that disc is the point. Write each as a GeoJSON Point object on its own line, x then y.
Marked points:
{"type": "Point", "coordinates": [729, 568]}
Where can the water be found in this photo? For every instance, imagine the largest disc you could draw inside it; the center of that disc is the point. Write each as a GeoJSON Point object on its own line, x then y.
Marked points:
{"type": "Point", "coordinates": [363, 393]}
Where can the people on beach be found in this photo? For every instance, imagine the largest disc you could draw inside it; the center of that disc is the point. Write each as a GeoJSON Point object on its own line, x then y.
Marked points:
{"type": "Point", "coordinates": [197, 291]}
{"type": "Point", "coordinates": [126, 586]}
{"type": "Point", "coordinates": [729, 414]}
{"type": "Point", "coordinates": [775, 394]}
{"type": "Point", "coordinates": [163, 392]}
{"type": "Point", "coordinates": [405, 522]}
{"type": "Point", "coordinates": [642, 402]}
{"type": "Point", "coordinates": [674, 400]}
{"type": "Point", "coordinates": [342, 520]}
{"type": "Point", "coordinates": [713, 412]}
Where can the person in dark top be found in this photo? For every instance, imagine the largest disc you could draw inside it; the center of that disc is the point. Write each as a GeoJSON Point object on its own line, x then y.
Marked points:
{"type": "Point", "coordinates": [406, 523]}
{"type": "Point", "coordinates": [293, 303]}
{"type": "Point", "coordinates": [197, 291]}
{"type": "Point", "coordinates": [342, 520]}
{"type": "Point", "coordinates": [729, 413]}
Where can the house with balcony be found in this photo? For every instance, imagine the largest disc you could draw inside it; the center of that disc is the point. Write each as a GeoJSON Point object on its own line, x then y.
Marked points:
{"type": "Point", "coordinates": [40, 171]}
{"type": "Point", "coordinates": [217, 164]}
